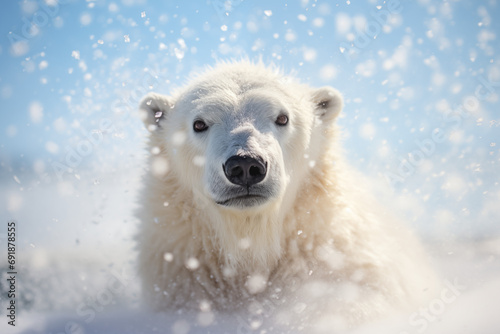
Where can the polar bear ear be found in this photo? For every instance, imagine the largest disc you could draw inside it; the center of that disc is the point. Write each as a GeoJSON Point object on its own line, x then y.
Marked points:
{"type": "Point", "coordinates": [153, 108]}
{"type": "Point", "coordinates": [328, 103]}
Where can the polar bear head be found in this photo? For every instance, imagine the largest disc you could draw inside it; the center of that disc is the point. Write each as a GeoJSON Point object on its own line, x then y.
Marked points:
{"type": "Point", "coordinates": [240, 136]}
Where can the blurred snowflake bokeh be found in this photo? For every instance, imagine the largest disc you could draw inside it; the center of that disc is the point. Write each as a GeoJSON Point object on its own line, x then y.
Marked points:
{"type": "Point", "coordinates": [421, 81]}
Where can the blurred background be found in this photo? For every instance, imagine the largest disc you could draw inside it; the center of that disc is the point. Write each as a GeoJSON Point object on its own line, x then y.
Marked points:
{"type": "Point", "coordinates": [421, 82]}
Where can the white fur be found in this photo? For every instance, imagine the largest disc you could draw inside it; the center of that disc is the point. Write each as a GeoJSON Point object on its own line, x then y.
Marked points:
{"type": "Point", "coordinates": [318, 240]}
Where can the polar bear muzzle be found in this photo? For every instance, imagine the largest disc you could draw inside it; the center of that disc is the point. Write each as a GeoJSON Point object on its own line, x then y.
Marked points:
{"type": "Point", "coordinates": [244, 171]}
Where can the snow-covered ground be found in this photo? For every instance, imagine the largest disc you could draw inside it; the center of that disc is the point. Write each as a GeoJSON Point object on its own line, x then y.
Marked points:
{"type": "Point", "coordinates": [87, 294]}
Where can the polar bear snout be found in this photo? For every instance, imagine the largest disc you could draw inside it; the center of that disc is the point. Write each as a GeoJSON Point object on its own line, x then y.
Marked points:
{"type": "Point", "coordinates": [245, 171]}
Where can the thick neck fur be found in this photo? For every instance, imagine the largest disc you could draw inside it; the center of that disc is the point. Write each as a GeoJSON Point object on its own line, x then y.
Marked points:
{"type": "Point", "coordinates": [250, 242]}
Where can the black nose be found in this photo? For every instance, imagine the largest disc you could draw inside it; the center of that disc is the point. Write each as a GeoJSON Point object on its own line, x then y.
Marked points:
{"type": "Point", "coordinates": [244, 171]}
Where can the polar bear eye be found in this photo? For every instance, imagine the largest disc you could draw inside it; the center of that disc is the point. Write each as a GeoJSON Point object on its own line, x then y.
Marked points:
{"type": "Point", "coordinates": [282, 120]}
{"type": "Point", "coordinates": [199, 126]}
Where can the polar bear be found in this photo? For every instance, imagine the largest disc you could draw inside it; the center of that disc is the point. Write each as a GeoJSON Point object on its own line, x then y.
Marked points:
{"type": "Point", "coordinates": [248, 198]}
